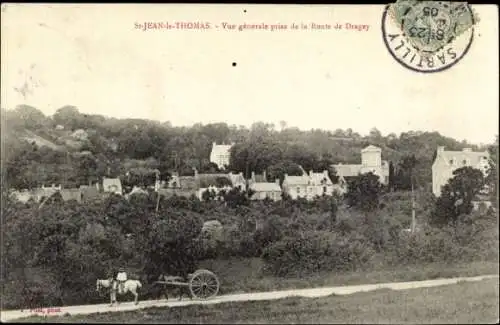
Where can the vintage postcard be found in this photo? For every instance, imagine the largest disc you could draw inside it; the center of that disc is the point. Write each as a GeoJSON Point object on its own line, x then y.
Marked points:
{"type": "Point", "coordinates": [217, 163]}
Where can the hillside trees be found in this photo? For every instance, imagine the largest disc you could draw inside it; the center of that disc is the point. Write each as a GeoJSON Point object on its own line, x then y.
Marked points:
{"type": "Point", "coordinates": [69, 117]}
{"type": "Point", "coordinates": [258, 148]}
{"type": "Point", "coordinates": [25, 116]}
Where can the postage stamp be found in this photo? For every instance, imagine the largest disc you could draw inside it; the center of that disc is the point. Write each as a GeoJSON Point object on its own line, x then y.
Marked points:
{"type": "Point", "coordinates": [428, 36]}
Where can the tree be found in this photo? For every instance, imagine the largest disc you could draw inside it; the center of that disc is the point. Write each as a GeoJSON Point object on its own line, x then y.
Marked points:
{"type": "Point", "coordinates": [69, 116]}
{"type": "Point", "coordinates": [278, 170]}
{"type": "Point", "coordinates": [28, 117]}
{"type": "Point", "coordinates": [391, 176]}
{"type": "Point", "coordinates": [236, 197]}
{"type": "Point", "coordinates": [457, 195]}
{"type": "Point", "coordinates": [492, 176]}
{"type": "Point", "coordinates": [405, 174]}
{"type": "Point", "coordinates": [87, 170]}
{"type": "Point", "coordinates": [375, 134]}
{"type": "Point", "coordinates": [363, 192]}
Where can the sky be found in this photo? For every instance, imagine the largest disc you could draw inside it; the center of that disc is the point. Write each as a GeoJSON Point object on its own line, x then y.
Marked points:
{"type": "Point", "coordinates": [92, 57]}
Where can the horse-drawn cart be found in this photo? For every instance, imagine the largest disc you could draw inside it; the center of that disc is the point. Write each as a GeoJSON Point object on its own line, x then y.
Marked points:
{"type": "Point", "coordinates": [202, 284]}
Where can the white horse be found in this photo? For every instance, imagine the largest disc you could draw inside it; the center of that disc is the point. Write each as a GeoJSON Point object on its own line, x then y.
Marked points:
{"type": "Point", "coordinates": [131, 286]}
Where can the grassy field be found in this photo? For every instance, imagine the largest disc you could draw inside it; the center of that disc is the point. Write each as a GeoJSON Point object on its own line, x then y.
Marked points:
{"type": "Point", "coordinates": [462, 303]}
{"type": "Point", "coordinates": [243, 275]}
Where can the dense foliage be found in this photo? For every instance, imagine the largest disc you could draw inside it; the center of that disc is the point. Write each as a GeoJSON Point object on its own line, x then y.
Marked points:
{"type": "Point", "coordinates": [134, 148]}
{"type": "Point", "coordinates": [52, 255]}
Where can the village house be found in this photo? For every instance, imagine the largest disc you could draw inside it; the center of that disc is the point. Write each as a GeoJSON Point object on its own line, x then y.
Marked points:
{"type": "Point", "coordinates": [218, 183]}
{"type": "Point", "coordinates": [263, 189]}
{"type": "Point", "coordinates": [42, 193]}
{"type": "Point", "coordinates": [308, 186]}
{"type": "Point", "coordinates": [448, 161]}
{"type": "Point", "coordinates": [136, 190]}
{"type": "Point", "coordinates": [89, 192]}
{"type": "Point", "coordinates": [185, 186]}
{"type": "Point", "coordinates": [199, 183]}
{"type": "Point", "coordinates": [371, 161]}
{"type": "Point", "coordinates": [23, 195]}
{"type": "Point", "coordinates": [69, 194]}
{"type": "Point", "coordinates": [220, 154]}
{"type": "Point", "coordinates": [45, 192]}
{"type": "Point", "coordinates": [112, 185]}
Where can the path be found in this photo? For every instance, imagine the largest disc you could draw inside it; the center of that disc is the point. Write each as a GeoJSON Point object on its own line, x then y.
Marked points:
{"type": "Point", "coordinates": [316, 292]}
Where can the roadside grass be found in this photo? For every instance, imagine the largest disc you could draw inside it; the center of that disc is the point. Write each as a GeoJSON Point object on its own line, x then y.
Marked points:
{"type": "Point", "coordinates": [241, 275]}
{"type": "Point", "coordinates": [462, 303]}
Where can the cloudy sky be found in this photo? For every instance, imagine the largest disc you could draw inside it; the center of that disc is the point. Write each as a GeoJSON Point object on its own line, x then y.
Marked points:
{"type": "Point", "coordinates": [92, 57]}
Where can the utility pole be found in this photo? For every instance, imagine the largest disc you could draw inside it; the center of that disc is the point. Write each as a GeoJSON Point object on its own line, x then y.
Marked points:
{"type": "Point", "coordinates": [246, 178]}
{"type": "Point", "coordinates": [413, 219]}
{"type": "Point", "coordinates": [157, 188]}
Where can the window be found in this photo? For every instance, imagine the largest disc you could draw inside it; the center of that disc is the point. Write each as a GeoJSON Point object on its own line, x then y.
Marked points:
{"type": "Point", "coordinates": [298, 190]}
{"type": "Point", "coordinates": [324, 189]}
{"type": "Point", "coordinates": [464, 161]}
{"type": "Point", "coordinates": [451, 161]}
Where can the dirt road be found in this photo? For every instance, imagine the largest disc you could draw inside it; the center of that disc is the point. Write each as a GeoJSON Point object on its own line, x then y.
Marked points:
{"type": "Point", "coordinates": [316, 292]}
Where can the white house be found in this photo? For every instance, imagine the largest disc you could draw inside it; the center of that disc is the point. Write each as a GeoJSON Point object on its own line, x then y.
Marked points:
{"type": "Point", "coordinates": [219, 182]}
{"type": "Point", "coordinates": [308, 186]}
{"type": "Point", "coordinates": [220, 154]}
{"type": "Point", "coordinates": [371, 161]}
{"type": "Point", "coordinates": [112, 185]}
{"type": "Point", "coordinates": [448, 161]}
{"type": "Point", "coordinates": [263, 189]}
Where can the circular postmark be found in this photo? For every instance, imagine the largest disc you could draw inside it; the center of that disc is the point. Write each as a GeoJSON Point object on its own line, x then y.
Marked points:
{"type": "Point", "coordinates": [428, 36]}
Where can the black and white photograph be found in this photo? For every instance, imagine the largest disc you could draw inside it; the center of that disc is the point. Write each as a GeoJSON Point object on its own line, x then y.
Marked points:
{"type": "Point", "coordinates": [250, 164]}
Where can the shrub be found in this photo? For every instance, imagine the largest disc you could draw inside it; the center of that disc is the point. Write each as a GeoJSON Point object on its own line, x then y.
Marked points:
{"type": "Point", "coordinates": [317, 251]}
{"type": "Point", "coordinates": [467, 240]}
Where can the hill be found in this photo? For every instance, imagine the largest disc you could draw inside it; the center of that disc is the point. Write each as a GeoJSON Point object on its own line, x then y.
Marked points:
{"type": "Point", "coordinates": [37, 144]}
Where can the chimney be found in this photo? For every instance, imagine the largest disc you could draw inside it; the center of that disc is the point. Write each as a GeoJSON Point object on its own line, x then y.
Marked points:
{"type": "Point", "coordinates": [277, 181]}
{"type": "Point", "coordinates": [467, 149]}
{"type": "Point", "coordinates": [440, 149]}
{"type": "Point", "coordinates": [310, 173]}
{"type": "Point", "coordinates": [214, 144]}
{"type": "Point", "coordinates": [264, 176]}
{"type": "Point", "coordinates": [286, 175]}
{"type": "Point", "coordinates": [325, 173]}
{"type": "Point", "coordinates": [195, 172]}
{"type": "Point", "coordinates": [253, 176]}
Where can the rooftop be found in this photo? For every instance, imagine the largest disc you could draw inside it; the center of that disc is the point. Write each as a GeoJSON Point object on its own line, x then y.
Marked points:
{"type": "Point", "coordinates": [472, 157]}
{"type": "Point", "coordinates": [265, 187]}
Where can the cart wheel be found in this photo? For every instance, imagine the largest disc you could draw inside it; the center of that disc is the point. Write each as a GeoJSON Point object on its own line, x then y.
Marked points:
{"type": "Point", "coordinates": [204, 284]}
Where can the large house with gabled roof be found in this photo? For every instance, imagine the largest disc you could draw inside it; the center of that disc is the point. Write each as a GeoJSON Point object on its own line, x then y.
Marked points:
{"type": "Point", "coordinates": [262, 189]}
{"type": "Point", "coordinates": [371, 161]}
{"type": "Point", "coordinates": [112, 185]}
{"type": "Point", "coordinates": [308, 185]}
{"type": "Point", "coordinates": [219, 182]}
{"type": "Point", "coordinates": [446, 162]}
{"type": "Point", "coordinates": [220, 154]}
